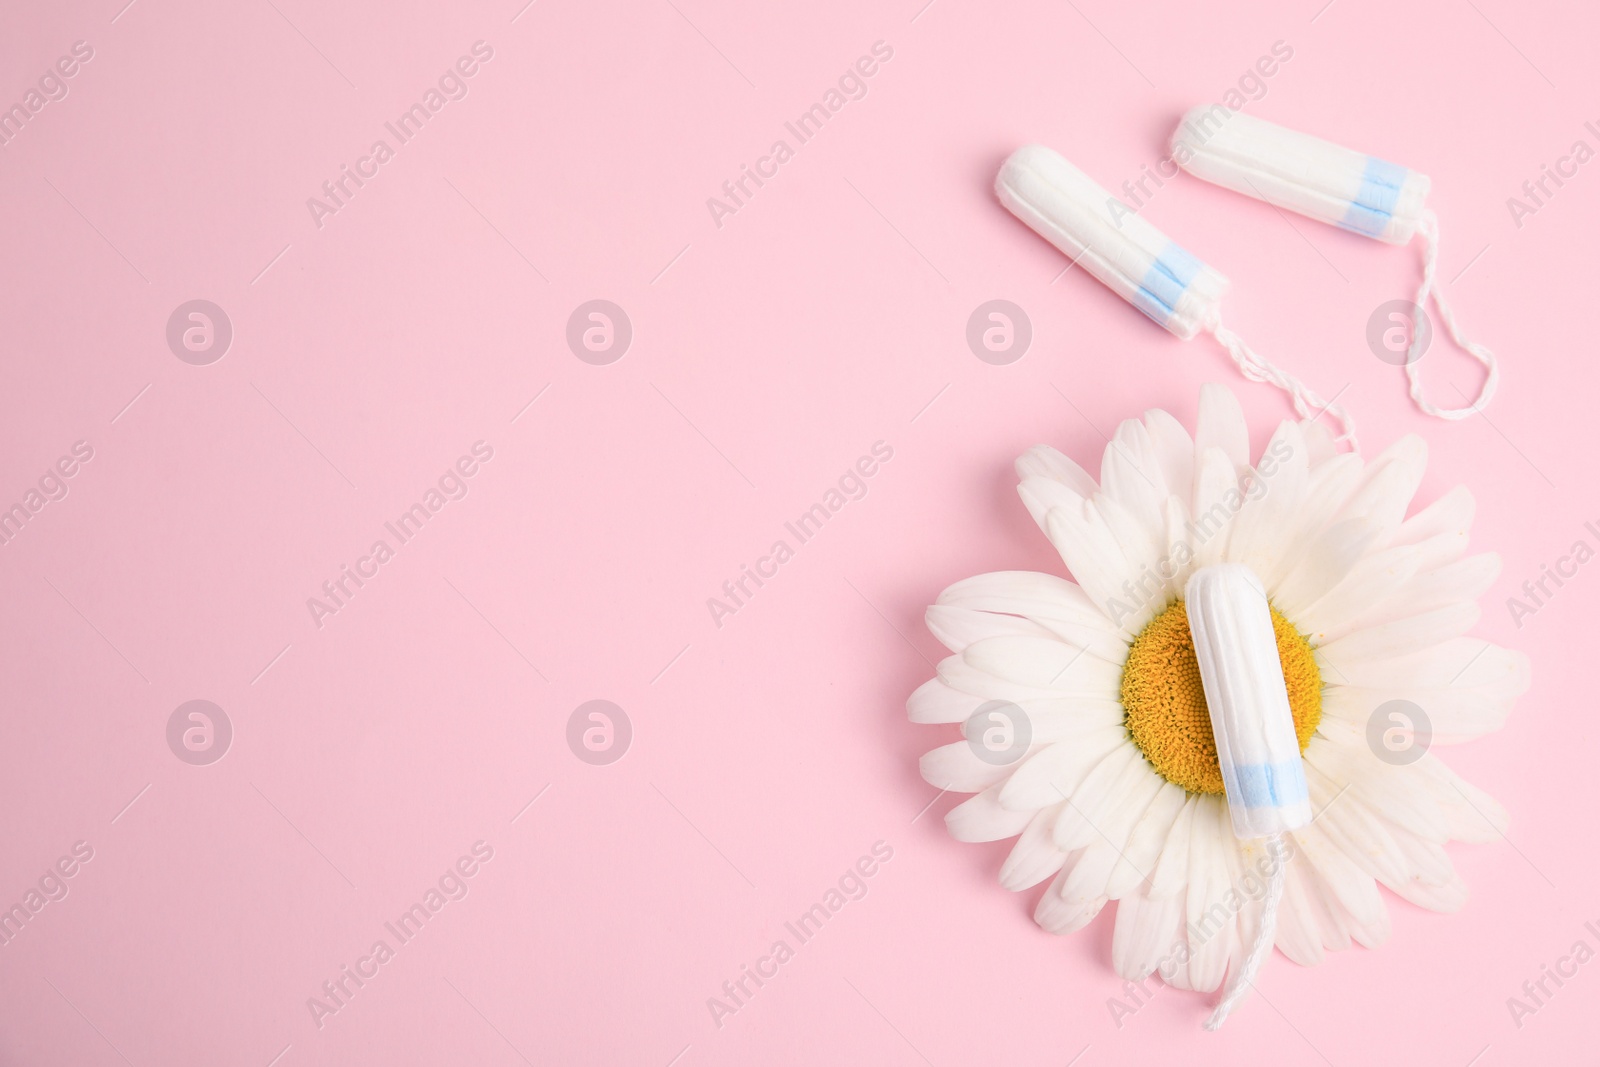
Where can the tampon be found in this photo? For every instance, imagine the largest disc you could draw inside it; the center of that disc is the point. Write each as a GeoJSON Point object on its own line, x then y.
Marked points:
{"type": "Point", "coordinates": [1265, 782]}
{"type": "Point", "coordinates": [1301, 173]}
{"type": "Point", "coordinates": [1137, 262]}
{"type": "Point", "coordinates": [1242, 676]}
{"type": "Point", "coordinates": [1131, 257]}
{"type": "Point", "coordinates": [1337, 185]}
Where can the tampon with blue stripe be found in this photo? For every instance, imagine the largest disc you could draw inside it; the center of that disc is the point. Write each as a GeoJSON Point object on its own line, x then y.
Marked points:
{"type": "Point", "coordinates": [1230, 623]}
{"type": "Point", "coordinates": [1325, 181]}
{"type": "Point", "coordinates": [1131, 257]}
{"type": "Point", "coordinates": [1301, 173]}
{"type": "Point", "coordinates": [1242, 676]}
{"type": "Point", "coordinates": [1137, 262]}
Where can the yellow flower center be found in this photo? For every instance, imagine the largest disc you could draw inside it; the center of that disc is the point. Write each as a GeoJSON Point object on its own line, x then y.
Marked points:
{"type": "Point", "coordinates": [1165, 704]}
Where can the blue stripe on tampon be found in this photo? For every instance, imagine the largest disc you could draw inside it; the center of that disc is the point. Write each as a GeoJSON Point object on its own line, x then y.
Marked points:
{"type": "Point", "coordinates": [1374, 204]}
{"type": "Point", "coordinates": [1270, 785]}
{"type": "Point", "coordinates": [1164, 283]}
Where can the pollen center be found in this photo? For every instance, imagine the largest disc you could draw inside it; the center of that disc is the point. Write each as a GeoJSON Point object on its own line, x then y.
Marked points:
{"type": "Point", "coordinates": [1165, 704]}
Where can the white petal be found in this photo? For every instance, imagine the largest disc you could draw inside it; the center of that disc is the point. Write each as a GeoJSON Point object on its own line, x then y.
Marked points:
{"type": "Point", "coordinates": [1046, 664]}
{"type": "Point", "coordinates": [1215, 478]}
{"type": "Point", "coordinates": [1043, 495]}
{"type": "Point", "coordinates": [1455, 715]}
{"type": "Point", "coordinates": [1141, 537]}
{"type": "Point", "coordinates": [1368, 583]}
{"type": "Point", "coordinates": [1391, 481]}
{"type": "Point", "coordinates": [1171, 874]}
{"type": "Point", "coordinates": [1317, 907]}
{"type": "Point", "coordinates": [1221, 425]}
{"type": "Point", "coordinates": [1042, 461]}
{"type": "Point", "coordinates": [1399, 638]}
{"type": "Point", "coordinates": [1060, 916]}
{"type": "Point", "coordinates": [1088, 877]}
{"type": "Point", "coordinates": [956, 628]}
{"type": "Point", "coordinates": [1469, 812]}
{"type": "Point", "coordinates": [1349, 890]}
{"type": "Point", "coordinates": [1174, 451]}
{"type": "Point", "coordinates": [1212, 925]}
{"type": "Point", "coordinates": [1465, 579]}
{"type": "Point", "coordinates": [1146, 842]}
{"type": "Point", "coordinates": [1034, 857]}
{"type": "Point", "coordinates": [1145, 935]}
{"type": "Point", "coordinates": [957, 768]}
{"type": "Point", "coordinates": [982, 818]}
{"type": "Point", "coordinates": [1328, 487]}
{"type": "Point", "coordinates": [1271, 503]}
{"type": "Point", "coordinates": [1246, 861]}
{"type": "Point", "coordinates": [933, 702]}
{"type": "Point", "coordinates": [1301, 917]}
{"type": "Point", "coordinates": [1060, 606]}
{"type": "Point", "coordinates": [1463, 662]}
{"type": "Point", "coordinates": [1447, 899]}
{"type": "Point", "coordinates": [1393, 855]}
{"type": "Point", "coordinates": [1427, 861]}
{"type": "Point", "coordinates": [959, 673]}
{"type": "Point", "coordinates": [1044, 599]}
{"type": "Point", "coordinates": [1320, 442]}
{"type": "Point", "coordinates": [1442, 527]}
{"type": "Point", "coordinates": [1174, 967]}
{"type": "Point", "coordinates": [1050, 775]}
{"type": "Point", "coordinates": [1113, 781]}
{"type": "Point", "coordinates": [1323, 564]}
{"type": "Point", "coordinates": [1093, 555]}
{"type": "Point", "coordinates": [1070, 719]}
{"type": "Point", "coordinates": [1131, 474]}
{"type": "Point", "coordinates": [1091, 877]}
{"type": "Point", "coordinates": [1398, 793]}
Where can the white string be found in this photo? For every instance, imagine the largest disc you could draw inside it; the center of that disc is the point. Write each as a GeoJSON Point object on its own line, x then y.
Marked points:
{"type": "Point", "coordinates": [1263, 943]}
{"type": "Point", "coordinates": [1429, 229]}
{"type": "Point", "coordinates": [1258, 368]}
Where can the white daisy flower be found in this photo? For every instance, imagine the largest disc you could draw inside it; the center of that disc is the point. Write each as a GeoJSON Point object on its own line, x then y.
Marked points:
{"type": "Point", "coordinates": [1087, 732]}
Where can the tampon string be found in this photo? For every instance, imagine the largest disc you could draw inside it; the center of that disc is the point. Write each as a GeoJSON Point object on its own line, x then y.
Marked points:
{"type": "Point", "coordinates": [1340, 186]}
{"type": "Point", "coordinates": [1139, 263]}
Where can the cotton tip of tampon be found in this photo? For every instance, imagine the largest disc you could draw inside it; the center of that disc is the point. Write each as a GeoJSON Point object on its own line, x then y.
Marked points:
{"type": "Point", "coordinates": [1110, 240]}
{"type": "Point", "coordinates": [1195, 128]}
{"type": "Point", "coordinates": [1230, 622]}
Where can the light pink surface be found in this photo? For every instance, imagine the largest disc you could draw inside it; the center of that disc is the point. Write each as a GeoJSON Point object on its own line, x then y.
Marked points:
{"type": "Point", "coordinates": [826, 315]}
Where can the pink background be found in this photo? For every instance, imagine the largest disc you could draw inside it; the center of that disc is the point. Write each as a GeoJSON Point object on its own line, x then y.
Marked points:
{"type": "Point", "coordinates": [771, 752]}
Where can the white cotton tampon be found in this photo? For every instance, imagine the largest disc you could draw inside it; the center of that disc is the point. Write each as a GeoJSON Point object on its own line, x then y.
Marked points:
{"type": "Point", "coordinates": [1242, 676]}
{"type": "Point", "coordinates": [1137, 262]}
{"type": "Point", "coordinates": [1230, 622]}
{"type": "Point", "coordinates": [1301, 173]}
{"type": "Point", "coordinates": [1131, 257]}
{"type": "Point", "coordinates": [1337, 185]}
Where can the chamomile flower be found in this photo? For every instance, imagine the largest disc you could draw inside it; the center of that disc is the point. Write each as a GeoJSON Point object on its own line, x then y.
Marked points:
{"type": "Point", "coordinates": [1087, 733]}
